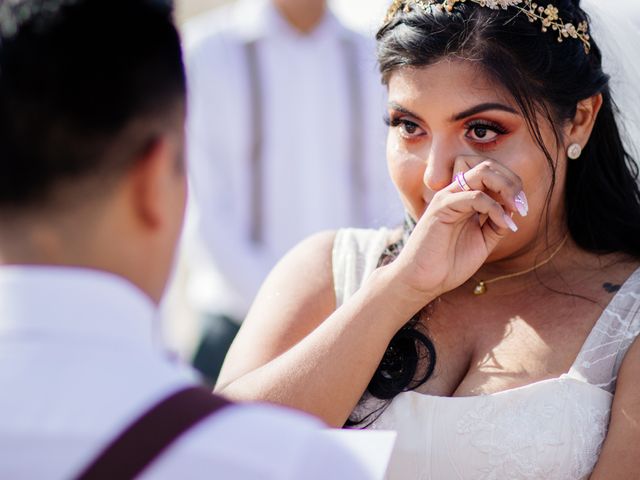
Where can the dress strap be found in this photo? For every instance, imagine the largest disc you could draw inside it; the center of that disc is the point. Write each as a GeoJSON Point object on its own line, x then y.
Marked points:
{"type": "Point", "coordinates": [356, 253]}
{"type": "Point", "coordinates": [603, 352]}
{"type": "Point", "coordinates": [151, 434]}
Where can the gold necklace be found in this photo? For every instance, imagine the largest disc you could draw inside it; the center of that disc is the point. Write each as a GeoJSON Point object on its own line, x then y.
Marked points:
{"type": "Point", "coordinates": [481, 287]}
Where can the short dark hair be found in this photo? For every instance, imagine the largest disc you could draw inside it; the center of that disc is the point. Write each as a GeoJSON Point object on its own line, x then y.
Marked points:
{"type": "Point", "coordinates": [74, 76]}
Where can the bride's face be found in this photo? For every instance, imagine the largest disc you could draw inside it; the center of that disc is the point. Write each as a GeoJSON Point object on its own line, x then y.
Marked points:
{"type": "Point", "coordinates": [448, 117]}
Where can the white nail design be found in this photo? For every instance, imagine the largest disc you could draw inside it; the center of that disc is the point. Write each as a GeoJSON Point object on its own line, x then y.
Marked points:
{"type": "Point", "coordinates": [511, 223]}
{"type": "Point", "coordinates": [522, 204]}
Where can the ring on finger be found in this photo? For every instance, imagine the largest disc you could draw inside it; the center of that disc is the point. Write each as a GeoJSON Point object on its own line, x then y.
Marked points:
{"type": "Point", "coordinates": [462, 182]}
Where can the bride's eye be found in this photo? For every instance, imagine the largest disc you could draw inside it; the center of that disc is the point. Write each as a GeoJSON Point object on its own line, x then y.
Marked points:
{"type": "Point", "coordinates": [480, 132]}
{"type": "Point", "coordinates": [406, 128]}
{"type": "Point", "coordinates": [484, 131]}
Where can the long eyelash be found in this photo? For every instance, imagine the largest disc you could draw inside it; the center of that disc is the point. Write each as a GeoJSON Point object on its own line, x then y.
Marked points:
{"type": "Point", "coordinates": [496, 127]}
{"type": "Point", "coordinates": [391, 122]}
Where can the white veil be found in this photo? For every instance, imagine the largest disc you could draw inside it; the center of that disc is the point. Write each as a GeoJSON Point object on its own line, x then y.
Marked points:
{"type": "Point", "coordinates": [619, 41]}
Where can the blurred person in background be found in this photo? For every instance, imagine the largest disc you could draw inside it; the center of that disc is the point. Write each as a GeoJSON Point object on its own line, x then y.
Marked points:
{"type": "Point", "coordinates": [290, 141]}
{"type": "Point", "coordinates": [92, 195]}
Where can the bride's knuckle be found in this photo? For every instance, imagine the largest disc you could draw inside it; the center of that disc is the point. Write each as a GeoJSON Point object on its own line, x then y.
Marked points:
{"type": "Point", "coordinates": [437, 197]}
{"type": "Point", "coordinates": [512, 185]}
{"type": "Point", "coordinates": [478, 196]}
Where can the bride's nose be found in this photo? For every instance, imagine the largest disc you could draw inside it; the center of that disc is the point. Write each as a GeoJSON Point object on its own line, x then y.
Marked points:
{"type": "Point", "coordinates": [439, 166]}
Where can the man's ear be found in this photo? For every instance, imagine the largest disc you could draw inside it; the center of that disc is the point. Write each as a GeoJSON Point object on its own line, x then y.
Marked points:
{"type": "Point", "coordinates": [580, 128]}
{"type": "Point", "coordinates": [153, 182]}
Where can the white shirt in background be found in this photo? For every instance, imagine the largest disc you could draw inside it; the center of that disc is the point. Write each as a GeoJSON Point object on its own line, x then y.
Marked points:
{"type": "Point", "coordinates": [79, 362]}
{"type": "Point", "coordinates": [309, 127]}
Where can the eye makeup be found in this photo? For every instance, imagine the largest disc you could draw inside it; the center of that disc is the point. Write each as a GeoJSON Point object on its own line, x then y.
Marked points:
{"type": "Point", "coordinates": [408, 129]}
{"type": "Point", "coordinates": [484, 132]}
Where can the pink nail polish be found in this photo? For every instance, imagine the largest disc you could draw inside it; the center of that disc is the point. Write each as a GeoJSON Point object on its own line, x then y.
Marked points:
{"type": "Point", "coordinates": [522, 204]}
{"type": "Point", "coordinates": [512, 225]}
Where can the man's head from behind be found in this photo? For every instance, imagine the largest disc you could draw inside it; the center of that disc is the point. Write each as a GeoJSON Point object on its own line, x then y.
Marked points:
{"type": "Point", "coordinates": [91, 135]}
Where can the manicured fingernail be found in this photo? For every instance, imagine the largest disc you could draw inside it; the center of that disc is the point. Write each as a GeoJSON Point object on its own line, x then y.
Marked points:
{"type": "Point", "coordinates": [510, 222]}
{"type": "Point", "coordinates": [522, 204]}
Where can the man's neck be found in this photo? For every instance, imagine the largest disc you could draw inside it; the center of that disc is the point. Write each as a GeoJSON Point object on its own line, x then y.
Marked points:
{"type": "Point", "coordinates": [303, 15]}
{"type": "Point", "coordinates": [83, 244]}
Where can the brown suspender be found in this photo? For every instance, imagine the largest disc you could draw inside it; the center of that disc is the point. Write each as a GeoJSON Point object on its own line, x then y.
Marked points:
{"type": "Point", "coordinates": [148, 437]}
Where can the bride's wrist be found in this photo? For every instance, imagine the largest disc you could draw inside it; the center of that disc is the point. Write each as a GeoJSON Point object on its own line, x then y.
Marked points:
{"type": "Point", "coordinates": [401, 299]}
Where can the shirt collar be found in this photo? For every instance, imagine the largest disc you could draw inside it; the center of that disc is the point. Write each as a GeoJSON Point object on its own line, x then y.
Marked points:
{"type": "Point", "coordinates": [256, 19]}
{"type": "Point", "coordinates": [73, 303]}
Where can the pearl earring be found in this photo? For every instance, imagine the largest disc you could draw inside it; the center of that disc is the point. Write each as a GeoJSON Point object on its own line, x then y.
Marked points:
{"type": "Point", "coordinates": [574, 151]}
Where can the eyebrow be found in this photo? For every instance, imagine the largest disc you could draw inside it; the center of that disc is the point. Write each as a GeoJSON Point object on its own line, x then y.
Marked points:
{"type": "Point", "coordinates": [483, 107]}
{"type": "Point", "coordinates": [401, 109]}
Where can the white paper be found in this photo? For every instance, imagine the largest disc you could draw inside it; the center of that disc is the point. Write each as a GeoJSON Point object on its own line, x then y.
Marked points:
{"type": "Point", "coordinates": [372, 447]}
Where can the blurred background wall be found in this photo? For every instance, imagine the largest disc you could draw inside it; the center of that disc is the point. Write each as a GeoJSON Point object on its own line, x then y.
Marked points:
{"type": "Point", "coordinates": [362, 15]}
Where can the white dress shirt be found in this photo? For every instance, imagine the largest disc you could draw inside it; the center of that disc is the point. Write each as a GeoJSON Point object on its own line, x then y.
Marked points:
{"type": "Point", "coordinates": [79, 362]}
{"type": "Point", "coordinates": [309, 129]}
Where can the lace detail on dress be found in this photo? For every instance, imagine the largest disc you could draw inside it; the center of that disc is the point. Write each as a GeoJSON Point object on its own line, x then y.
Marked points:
{"type": "Point", "coordinates": [603, 352]}
{"type": "Point", "coordinates": [588, 435]}
{"type": "Point", "coordinates": [511, 448]}
{"type": "Point", "coordinates": [513, 437]}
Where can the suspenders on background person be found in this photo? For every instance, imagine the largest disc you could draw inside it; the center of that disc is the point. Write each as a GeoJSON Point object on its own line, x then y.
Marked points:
{"type": "Point", "coordinates": [356, 152]}
{"type": "Point", "coordinates": [257, 119]}
{"type": "Point", "coordinates": [256, 229]}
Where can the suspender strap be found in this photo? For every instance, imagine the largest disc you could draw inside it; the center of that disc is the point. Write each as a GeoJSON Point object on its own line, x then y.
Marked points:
{"type": "Point", "coordinates": [356, 149]}
{"type": "Point", "coordinates": [146, 439]}
{"type": "Point", "coordinates": [256, 188]}
{"type": "Point", "coordinates": [256, 161]}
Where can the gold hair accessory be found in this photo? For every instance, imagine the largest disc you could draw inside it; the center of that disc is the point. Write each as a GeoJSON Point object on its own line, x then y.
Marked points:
{"type": "Point", "coordinates": [548, 15]}
{"type": "Point", "coordinates": [481, 287]}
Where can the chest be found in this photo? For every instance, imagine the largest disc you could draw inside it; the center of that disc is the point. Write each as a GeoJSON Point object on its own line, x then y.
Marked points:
{"type": "Point", "coordinates": [551, 430]}
{"type": "Point", "coordinates": [485, 347]}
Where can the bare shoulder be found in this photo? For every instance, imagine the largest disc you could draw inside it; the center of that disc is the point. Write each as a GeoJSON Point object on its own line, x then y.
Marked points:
{"type": "Point", "coordinates": [619, 457]}
{"type": "Point", "coordinates": [302, 279]}
{"type": "Point", "coordinates": [295, 298]}
{"type": "Point", "coordinates": [301, 288]}
{"type": "Point", "coordinates": [627, 385]}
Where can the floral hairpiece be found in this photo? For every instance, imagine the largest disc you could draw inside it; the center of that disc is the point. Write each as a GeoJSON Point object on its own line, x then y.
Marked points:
{"type": "Point", "coordinates": [548, 15]}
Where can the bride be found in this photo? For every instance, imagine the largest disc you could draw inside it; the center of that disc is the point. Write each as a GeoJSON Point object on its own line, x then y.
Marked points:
{"type": "Point", "coordinates": [496, 331]}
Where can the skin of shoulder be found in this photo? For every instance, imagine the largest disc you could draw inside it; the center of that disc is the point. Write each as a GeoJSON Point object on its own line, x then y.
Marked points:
{"type": "Point", "coordinates": [295, 298]}
{"type": "Point", "coordinates": [619, 458]}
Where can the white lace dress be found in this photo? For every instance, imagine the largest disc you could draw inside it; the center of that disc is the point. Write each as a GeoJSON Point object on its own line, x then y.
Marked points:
{"type": "Point", "coordinates": [552, 429]}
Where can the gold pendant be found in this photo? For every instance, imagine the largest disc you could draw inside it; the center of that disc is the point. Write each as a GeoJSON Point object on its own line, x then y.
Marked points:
{"type": "Point", "coordinates": [480, 289]}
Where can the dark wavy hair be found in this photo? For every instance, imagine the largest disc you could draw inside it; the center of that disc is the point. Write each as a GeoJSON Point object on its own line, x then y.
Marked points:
{"type": "Point", "coordinates": [544, 77]}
